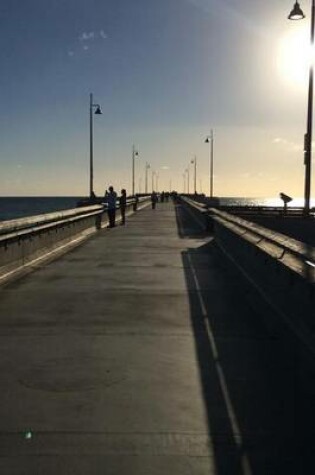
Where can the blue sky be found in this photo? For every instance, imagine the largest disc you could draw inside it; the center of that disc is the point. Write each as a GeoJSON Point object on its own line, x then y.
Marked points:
{"type": "Point", "coordinates": [165, 72]}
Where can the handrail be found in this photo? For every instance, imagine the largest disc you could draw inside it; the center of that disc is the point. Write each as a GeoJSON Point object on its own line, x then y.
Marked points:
{"type": "Point", "coordinates": [291, 211]}
{"type": "Point", "coordinates": [28, 222]}
{"type": "Point", "coordinates": [36, 238]}
{"type": "Point", "coordinates": [17, 225]}
{"type": "Point", "coordinates": [45, 226]}
{"type": "Point", "coordinates": [292, 245]}
{"type": "Point", "coordinates": [295, 254]}
{"type": "Point", "coordinates": [196, 204]}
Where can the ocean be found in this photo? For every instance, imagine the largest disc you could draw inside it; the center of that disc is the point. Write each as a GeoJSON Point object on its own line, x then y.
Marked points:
{"type": "Point", "coordinates": [20, 207]}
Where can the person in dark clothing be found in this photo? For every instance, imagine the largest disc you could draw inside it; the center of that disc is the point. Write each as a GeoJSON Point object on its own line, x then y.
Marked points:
{"type": "Point", "coordinates": [111, 199]}
{"type": "Point", "coordinates": [154, 199]}
{"type": "Point", "coordinates": [122, 205]}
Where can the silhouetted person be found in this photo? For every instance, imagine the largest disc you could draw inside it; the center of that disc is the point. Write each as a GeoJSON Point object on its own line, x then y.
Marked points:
{"type": "Point", "coordinates": [111, 198]}
{"type": "Point", "coordinates": [135, 203]}
{"type": "Point", "coordinates": [122, 205]}
{"type": "Point", "coordinates": [154, 199]}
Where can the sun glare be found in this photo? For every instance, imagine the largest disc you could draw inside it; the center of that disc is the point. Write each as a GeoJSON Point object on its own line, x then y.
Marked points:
{"type": "Point", "coordinates": [294, 56]}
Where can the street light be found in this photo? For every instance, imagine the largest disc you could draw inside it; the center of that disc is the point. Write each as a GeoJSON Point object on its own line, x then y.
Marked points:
{"type": "Point", "coordinates": [147, 166]}
{"type": "Point", "coordinates": [297, 14]}
{"type": "Point", "coordinates": [134, 155]}
{"type": "Point", "coordinates": [97, 111]}
{"type": "Point", "coordinates": [210, 140]}
{"type": "Point", "coordinates": [184, 181]}
{"type": "Point", "coordinates": [153, 175]}
{"type": "Point", "coordinates": [187, 171]}
{"type": "Point", "coordinates": [194, 162]}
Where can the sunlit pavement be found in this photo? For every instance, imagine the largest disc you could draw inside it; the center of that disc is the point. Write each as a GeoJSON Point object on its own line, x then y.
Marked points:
{"type": "Point", "coordinates": [138, 353]}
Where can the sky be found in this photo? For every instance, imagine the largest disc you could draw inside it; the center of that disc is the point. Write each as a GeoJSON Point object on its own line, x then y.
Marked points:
{"type": "Point", "coordinates": [165, 72]}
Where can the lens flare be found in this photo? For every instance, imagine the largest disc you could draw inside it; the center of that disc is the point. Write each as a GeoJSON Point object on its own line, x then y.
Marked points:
{"type": "Point", "coordinates": [295, 56]}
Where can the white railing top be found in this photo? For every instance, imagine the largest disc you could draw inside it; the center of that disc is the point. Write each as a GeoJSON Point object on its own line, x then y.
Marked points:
{"type": "Point", "coordinates": [30, 221]}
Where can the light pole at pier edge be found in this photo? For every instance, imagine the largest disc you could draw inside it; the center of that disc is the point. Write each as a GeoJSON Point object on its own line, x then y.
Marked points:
{"type": "Point", "coordinates": [194, 162]}
{"type": "Point", "coordinates": [210, 140]}
{"type": "Point", "coordinates": [147, 166]}
{"type": "Point", "coordinates": [297, 14]}
{"type": "Point", "coordinates": [97, 111]}
{"type": "Point", "coordinates": [134, 155]}
{"type": "Point", "coordinates": [187, 171]}
{"type": "Point", "coordinates": [153, 175]}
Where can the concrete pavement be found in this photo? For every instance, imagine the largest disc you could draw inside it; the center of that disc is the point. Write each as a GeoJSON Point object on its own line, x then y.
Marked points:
{"type": "Point", "coordinates": [138, 353]}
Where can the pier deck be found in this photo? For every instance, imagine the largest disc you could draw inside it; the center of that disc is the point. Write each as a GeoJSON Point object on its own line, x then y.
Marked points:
{"type": "Point", "coordinates": [137, 353]}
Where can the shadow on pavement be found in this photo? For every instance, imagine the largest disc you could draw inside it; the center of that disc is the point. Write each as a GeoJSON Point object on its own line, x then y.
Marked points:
{"type": "Point", "coordinates": [186, 227]}
{"type": "Point", "coordinates": [250, 378]}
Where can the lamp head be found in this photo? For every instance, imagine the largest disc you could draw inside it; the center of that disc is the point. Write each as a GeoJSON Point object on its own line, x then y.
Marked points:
{"type": "Point", "coordinates": [296, 13]}
{"type": "Point", "coordinates": [207, 140]}
{"type": "Point", "coordinates": [98, 110]}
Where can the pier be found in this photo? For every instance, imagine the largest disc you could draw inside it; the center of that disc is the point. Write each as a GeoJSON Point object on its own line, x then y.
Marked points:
{"type": "Point", "coordinates": [142, 351]}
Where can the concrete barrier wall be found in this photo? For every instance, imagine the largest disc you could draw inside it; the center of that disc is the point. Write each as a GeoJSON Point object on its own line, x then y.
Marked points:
{"type": "Point", "coordinates": [281, 269]}
{"type": "Point", "coordinates": [22, 241]}
{"type": "Point", "coordinates": [198, 210]}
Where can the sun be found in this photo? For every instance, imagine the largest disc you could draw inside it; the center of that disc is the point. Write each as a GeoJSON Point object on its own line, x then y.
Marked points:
{"type": "Point", "coordinates": [294, 55]}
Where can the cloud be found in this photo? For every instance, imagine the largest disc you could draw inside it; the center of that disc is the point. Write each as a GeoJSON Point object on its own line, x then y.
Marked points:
{"type": "Point", "coordinates": [103, 34]}
{"type": "Point", "coordinates": [287, 144]}
{"type": "Point", "coordinates": [92, 35]}
{"type": "Point", "coordinates": [87, 36]}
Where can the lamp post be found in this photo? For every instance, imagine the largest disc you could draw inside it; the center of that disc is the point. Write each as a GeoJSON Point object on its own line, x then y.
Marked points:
{"type": "Point", "coordinates": [184, 182]}
{"type": "Point", "coordinates": [147, 166]}
{"type": "Point", "coordinates": [97, 111]}
{"type": "Point", "coordinates": [297, 14]}
{"type": "Point", "coordinates": [153, 175]}
{"type": "Point", "coordinates": [210, 140]}
{"type": "Point", "coordinates": [134, 155]}
{"type": "Point", "coordinates": [157, 182]}
{"type": "Point", "coordinates": [188, 180]}
{"type": "Point", "coordinates": [194, 162]}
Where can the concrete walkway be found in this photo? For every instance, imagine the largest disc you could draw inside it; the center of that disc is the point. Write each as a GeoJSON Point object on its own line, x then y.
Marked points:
{"type": "Point", "coordinates": [137, 353]}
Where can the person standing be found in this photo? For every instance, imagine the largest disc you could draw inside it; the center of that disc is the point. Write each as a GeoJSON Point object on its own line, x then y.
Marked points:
{"type": "Point", "coordinates": [122, 205]}
{"type": "Point", "coordinates": [111, 199]}
{"type": "Point", "coordinates": [154, 199]}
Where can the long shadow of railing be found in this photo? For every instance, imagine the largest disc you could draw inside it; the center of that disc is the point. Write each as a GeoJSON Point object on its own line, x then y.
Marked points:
{"type": "Point", "coordinates": [249, 377]}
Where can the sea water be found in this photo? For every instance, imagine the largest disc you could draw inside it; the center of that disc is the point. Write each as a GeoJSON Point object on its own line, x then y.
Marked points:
{"type": "Point", "coordinates": [20, 207]}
